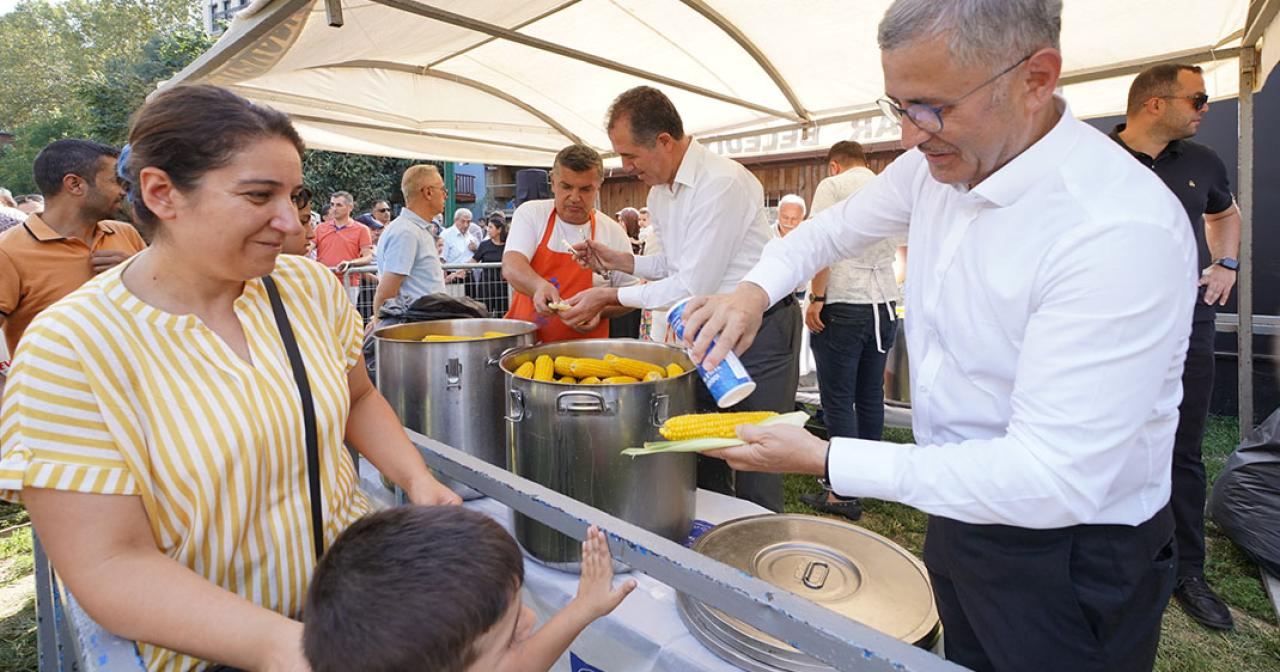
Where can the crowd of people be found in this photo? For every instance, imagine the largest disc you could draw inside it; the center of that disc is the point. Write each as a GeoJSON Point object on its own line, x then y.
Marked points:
{"type": "Point", "coordinates": [187, 365]}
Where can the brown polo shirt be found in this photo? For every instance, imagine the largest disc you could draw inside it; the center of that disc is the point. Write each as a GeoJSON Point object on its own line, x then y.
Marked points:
{"type": "Point", "coordinates": [39, 266]}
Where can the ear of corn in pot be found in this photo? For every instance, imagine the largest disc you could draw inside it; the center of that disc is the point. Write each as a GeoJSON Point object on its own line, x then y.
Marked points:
{"type": "Point", "coordinates": [525, 370]}
{"type": "Point", "coordinates": [544, 368]}
{"type": "Point", "coordinates": [696, 432]}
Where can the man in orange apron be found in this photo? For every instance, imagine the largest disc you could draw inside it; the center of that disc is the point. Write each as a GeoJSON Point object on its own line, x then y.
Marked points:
{"type": "Point", "coordinates": [539, 262]}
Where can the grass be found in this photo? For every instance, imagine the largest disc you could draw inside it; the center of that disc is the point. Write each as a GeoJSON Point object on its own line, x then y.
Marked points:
{"type": "Point", "coordinates": [1184, 645]}
{"type": "Point", "coordinates": [17, 593]}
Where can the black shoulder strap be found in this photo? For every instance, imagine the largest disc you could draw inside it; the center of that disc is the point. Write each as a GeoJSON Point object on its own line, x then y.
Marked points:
{"type": "Point", "coordinates": [308, 412]}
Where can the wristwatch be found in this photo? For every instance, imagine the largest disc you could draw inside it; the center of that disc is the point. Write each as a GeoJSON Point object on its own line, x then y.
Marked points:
{"type": "Point", "coordinates": [1228, 263]}
{"type": "Point", "coordinates": [814, 298]}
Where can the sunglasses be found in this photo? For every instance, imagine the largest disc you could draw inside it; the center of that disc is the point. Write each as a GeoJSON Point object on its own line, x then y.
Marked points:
{"type": "Point", "coordinates": [1198, 101]}
{"type": "Point", "coordinates": [383, 210]}
{"type": "Point", "coordinates": [301, 198]}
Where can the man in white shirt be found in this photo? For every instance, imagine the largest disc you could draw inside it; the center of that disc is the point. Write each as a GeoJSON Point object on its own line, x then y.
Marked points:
{"type": "Point", "coordinates": [538, 262]}
{"type": "Point", "coordinates": [460, 242]}
{"type": "Point", "coordinates": [1052, 279]}
{"type": "Point", "coordinates": [708, 214]}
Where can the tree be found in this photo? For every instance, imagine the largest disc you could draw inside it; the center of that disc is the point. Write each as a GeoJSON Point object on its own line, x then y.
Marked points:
{"type": "Point", "coordinates": [50, 51]}
{"type": "Point", "coordinates": [111, 96]}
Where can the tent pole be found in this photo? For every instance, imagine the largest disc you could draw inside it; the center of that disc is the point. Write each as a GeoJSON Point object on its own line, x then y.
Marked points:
{"type": "Point", "coordinates": [1244, 292]}
{"type": "Point", "coordinates": [451, 200]}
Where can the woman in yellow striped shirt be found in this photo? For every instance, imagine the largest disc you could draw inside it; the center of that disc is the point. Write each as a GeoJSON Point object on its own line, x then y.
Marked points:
{"type": "Point", "coordinates": [152, 425]}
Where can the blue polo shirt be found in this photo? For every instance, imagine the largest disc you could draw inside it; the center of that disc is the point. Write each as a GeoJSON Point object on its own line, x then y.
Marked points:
{"type": "Point", "coordinates": [408, 248]}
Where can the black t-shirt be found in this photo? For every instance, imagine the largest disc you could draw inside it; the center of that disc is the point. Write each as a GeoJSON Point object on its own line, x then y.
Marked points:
{"type": "Point", "coordinates": [488, 252]}
{"type": "Point", "coordinates": [1196, 175]}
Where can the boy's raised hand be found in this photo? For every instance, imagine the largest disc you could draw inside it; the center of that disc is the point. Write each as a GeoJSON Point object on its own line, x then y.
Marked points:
{"type": "Point", "coordinates": [595, 587]}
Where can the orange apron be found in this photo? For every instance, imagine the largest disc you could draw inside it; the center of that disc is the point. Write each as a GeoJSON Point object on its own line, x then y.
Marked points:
{"type": "Point", "coordinates": [567, 277]}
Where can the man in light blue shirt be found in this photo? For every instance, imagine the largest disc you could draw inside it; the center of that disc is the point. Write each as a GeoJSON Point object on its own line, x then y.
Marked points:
{"type": "Point", "coordinates": [408, 265]}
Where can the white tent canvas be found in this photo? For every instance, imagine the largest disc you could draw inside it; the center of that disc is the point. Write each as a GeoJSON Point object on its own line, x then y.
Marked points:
{"type": "Point", "coordinates": [513, 81]}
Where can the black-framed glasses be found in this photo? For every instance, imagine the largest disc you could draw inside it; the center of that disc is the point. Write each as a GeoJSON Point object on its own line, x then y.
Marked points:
{"type": "Point", "coordinates": [1198, 100]}
{"type": "Point", "coordinates": [301, 197]}
{"type": "Point", "coordinates": [928, 118]}
{"type": "Point", "coordinates": [382, 210]}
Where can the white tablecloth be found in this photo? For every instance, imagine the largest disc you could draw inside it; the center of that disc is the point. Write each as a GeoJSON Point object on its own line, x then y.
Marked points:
{"type": "Point", "coordinates": [645, 633]}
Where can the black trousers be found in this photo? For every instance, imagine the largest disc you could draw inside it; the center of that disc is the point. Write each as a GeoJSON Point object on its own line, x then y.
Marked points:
{"type": "Point", "coordinates": [773, 360]}
{"type": "Point", "coordinates": [1087, 598]}
{"type": "Point", "coordinates": [1188, 495]}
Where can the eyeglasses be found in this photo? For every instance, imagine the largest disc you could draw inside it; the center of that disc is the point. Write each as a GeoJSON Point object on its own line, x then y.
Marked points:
{"type": "Point", "coordinates": [382, 210]}
{"type": "Point", "coordinates": [301, 198]}
{"type": "Point", "coordinates": [928, 118]}
{"type": "Point", "coordinates": [1198, 101]}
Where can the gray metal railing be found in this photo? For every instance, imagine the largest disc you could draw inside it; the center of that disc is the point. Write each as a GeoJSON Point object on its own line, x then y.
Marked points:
{"type": "Point", "coordinates": [482, 282]}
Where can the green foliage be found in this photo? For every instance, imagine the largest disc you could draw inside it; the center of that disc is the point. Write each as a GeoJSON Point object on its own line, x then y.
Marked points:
{"type": "Point", "coordinates": [50, 51]}
{"type": "Point", "coordinates": [368, 178]}
{"type": "Point", "coordinates": [31, 137]}
{"type": "Point", "coordinates": [112, 95]}
{"type": "Point", "coordinates": [79, 68]}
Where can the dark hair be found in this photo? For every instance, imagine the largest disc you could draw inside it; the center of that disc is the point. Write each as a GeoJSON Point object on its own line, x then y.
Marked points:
{"type": "Point", "coordinates": [650, 113]}
{"type": "Point", "coordinates": [501, 223]}
{"type": "Point", "coordinates": [28, 198]}
{"type": "Point", "coordinates": [630, 220]}
{"type": "Point", "coordinates": [410, 588]}
{"type": "Point", "coordinates": [69, 157]}
{"type": "Point", "coordinates": [1157, 80]}
{"type": "Point", "coordinates": [847, 153]}
{"type": "Point", "coordinates": [188, 131]}
{"type": "Point", "coordinates": [579, 159]}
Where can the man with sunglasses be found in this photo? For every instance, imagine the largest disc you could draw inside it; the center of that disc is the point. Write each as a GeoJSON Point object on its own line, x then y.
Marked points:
{"type": "Point", "coordinates": [1049, 307]}
{"type": "Point", "coordinates": [1165, 106]}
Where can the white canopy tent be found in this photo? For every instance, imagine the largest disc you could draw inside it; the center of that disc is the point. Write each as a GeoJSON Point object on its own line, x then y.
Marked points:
{"type": "Point", "coordinates": [513, 81]}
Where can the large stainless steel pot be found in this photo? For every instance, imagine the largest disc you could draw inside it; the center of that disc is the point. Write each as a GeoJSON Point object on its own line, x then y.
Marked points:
{"type": "Point", "coordinates": [569, 438]}
{"type": "Point", "coordinates": [451, 391]}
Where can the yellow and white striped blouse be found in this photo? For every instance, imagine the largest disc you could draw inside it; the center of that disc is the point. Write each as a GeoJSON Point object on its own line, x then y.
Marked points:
{"type": "Point", "coordinates": [110, 395]}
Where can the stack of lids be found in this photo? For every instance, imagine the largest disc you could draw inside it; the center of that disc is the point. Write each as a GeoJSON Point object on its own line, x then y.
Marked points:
{"type": "Point", "coordinates": [852, 571]}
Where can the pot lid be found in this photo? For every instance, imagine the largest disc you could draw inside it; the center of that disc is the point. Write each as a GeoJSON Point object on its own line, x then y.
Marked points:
{"type": "Point", "coordinates": [848, 569]}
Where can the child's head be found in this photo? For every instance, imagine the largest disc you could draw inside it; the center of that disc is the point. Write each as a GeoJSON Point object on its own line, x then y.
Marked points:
{"type": "Point", "coordinates": [416, 588]}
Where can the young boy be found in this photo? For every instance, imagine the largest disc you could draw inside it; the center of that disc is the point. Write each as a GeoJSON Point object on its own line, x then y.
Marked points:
{"type": "Point", "coordinates": [437, 589]}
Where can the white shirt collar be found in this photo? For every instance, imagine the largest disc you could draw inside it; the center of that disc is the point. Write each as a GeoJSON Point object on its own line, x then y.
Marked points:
{"type": "Point", "coordinates": [1005, 186]}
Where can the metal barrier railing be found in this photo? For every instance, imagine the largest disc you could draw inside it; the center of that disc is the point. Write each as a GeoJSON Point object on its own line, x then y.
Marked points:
{"type": "Point", "coordinates": [482, 282]}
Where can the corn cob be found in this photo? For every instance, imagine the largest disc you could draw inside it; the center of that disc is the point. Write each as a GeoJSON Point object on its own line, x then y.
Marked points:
{"type": "Point", "coordinates": [543, 368]}
{"type": "Point", "coordinates": [585, 366]}
{"type": "Point", "coordinates": [568, 379]}
{"type": "Point", "coordinates": [446, 338]}
{"type": "Point", "coordinates": [562, 365]}
{"type": "Point", "coordinates": [652, 375]}
{"type": "Point", "coordinates": [635, 368]}
{"type": "Point", "coordinates": [709, 425]}
{"type": "Point", "coordinates": [619, 380]}
{"type": "Point", "coordinates": [525, 370]}
{"type": "Point", "coordinates": [674, 370]}
{"type": "Point", "coordinates": [589, 380]}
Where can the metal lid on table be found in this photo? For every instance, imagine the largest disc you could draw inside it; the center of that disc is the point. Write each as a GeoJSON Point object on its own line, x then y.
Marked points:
{"type": "Point", "coordinates": [843, 567]}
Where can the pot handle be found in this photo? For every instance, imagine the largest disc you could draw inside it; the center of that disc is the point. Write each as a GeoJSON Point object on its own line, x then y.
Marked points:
{"type": "Point", "coordinates": [453, 374]}
{"type": "Point", "coordinates": [582, 402]}
{"type": "Point", "coordinates": [516, 414]}
{"type": "Point", "coordinates": [493, 361]}
{"type": "Point", "coordinates": [659, 409]}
